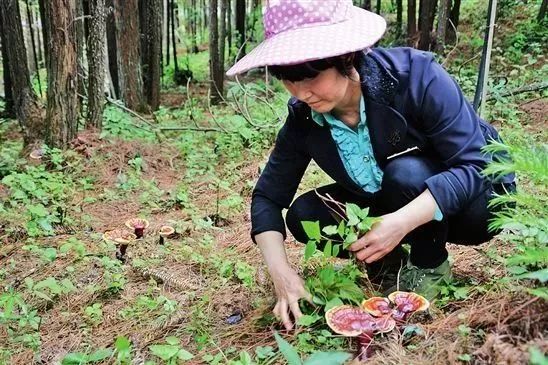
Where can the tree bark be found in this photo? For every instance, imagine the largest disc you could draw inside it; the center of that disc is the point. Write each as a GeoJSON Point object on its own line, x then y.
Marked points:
{"type": "Point", "coordinates": [44, 22]}
{"type": "Point", "coordinates": [27, 109]}
{"type": "Point", "coordinates": [442, 24]}
{"type": "Point", "coordinates": [367, 5]}
{"type": "Point", "coordinates": [151, 29]}
{"type": "Point", "coordinates": [411, 22]}
{"type": "Point", "coordinates": [542, 11]}
{"type": "Point", "coordinates": [80, 46]}
{"type": "Point", "coordinates": [96, 63]}
{"type": "Point", "coordinates": [399, 18]}
{"type": "Point", "coordinates": [33, 45]}
{"type": "Point", "coordinates": [173, 39]}
{"type": "Point", "coordinates": [193, 30]}
{"type": "Point", "coordinates": [129, 60]}
{"type": "Point", "coordinates": [240, 27]}
{"type": "Point", "coordinates": [9, 111]}
{"type": "Point", "coordinates": [62, 101]}
{"type": "Point", "coordinates": [222, 33]}
{"type": "Point", "coordinates": [112, 49]}
{"type": "Point", "coordinates": [215, 69]}
{"type": "Point", "coordinates": [427, 12]}
{"type": "Point", "coordinates": [453, 22]}
{"type": "Point", "coordinates": [378, 7]}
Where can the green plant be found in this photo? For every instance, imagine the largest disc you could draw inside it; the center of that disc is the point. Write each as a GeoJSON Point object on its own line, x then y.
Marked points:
{"type": "Point", "coordinates": [50, 287]}
{"type": "Point", "coordinates": [123, 349]}
{"type": "Point", "coordinates": [318, 358]}
{"type": "Point", "coordinates": [523, 215]}
{"type": "Point", "coordinates": [171, 352]}
{"type": "Point", "coordinates": [94, 313]}
{"type": "Point", "coordinates": [79, 358]}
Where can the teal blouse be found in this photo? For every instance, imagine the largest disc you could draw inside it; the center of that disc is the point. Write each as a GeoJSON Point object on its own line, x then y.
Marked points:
{"type": "Point", "coordinates": [356, 151]}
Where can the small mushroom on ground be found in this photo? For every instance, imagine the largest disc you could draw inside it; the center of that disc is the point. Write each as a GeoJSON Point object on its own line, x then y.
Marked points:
{"type": "Point", "coordinates": [165, 231]}
{"type": "Point", "coordinates": [120, 238]}
{"type": "Point", "coordinates": [138, 225]}
{"type": "Point", "coordinates": [37, 154]}
{"type": "Point", "coordinates": [355, 322]}
{"type": "Point", "coordinates": [407, 303]}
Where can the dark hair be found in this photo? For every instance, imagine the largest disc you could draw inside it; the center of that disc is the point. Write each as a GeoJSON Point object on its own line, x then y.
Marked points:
{"type": "Point", "coordinates": [310, 69]}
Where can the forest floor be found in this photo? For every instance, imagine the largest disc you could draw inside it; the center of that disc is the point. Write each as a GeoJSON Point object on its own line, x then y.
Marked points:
{"type": "Point", "coordinates": [207, 284]}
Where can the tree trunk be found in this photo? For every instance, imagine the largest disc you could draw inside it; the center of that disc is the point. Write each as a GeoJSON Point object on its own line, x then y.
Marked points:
{"type": "Point", "coordinates": [427, 12]}
{"type": "Point", "coordinates": [129, 61]}
{"type": "Point", "coordinates": [442, 24]}
{"type": "Point", "coordinates": [9, 111]}
{"type": "Point", "coordinates": [96, 63]}
{"type": "Point", "coordinates": [80, 46]}
{"type": "Point", "coordinates": [62, 107]}
{"type": "Point", "coordinates": [173, 39]}
{"type": "Point", "coordinates": [411, 22]}
{"type": "Point", "coordinates": [215, 69]}
{"type": "Point", "coordinates": [240, 27]}
{"type": "Point", "coordinates": [193, 30]}
{"type": "Point", "coordinates": [112, 49]}
{"type": "Point", "coordinates": [33, 45]}
{"type": "Point", "coordinates": [453, 22]}
{"type": "Point", "coordinates": [542, 11]}
{"type": "Point", "coordinates": [367, 5]}
{"type": "Point", "coordinates": [222, 33]}
{"type": "Point", "coordinates": [168, 31]}
{"type": "Point", "coordinates": [399, 18]}
{"type": "Point", "coordinates": [151, 37]}
{"type": "Point", "coordinates": [378, 7]}
{"type": "Point", "coordinates": [44, 23]}
{"type": "Point", "coordinates": [27, 109]}
{"type": "Point", "coordinates": [229, 26]}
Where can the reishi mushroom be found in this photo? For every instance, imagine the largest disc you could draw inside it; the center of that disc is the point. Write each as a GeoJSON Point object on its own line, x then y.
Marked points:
{"type": "Point", "coordinates": [352, 321]}
{"type": "Point", "coordinates": [121, 238]}
{"type": "Point", "coordinates": [138, 225]}
{"type": "Point", "coordinates": [407, 303]}
{"type": "Point", "coordinates": [37, 154]}
{"type": "Point", "coordinates": [377, 306]}
{"type": "Point", "coordinates": [165, 231]}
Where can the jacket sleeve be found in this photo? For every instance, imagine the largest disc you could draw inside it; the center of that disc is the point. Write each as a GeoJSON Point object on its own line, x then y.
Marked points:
{"type": "Point", "coordinates": [279, 180]}
{"type": "Point", "coordinates": [453, 129]}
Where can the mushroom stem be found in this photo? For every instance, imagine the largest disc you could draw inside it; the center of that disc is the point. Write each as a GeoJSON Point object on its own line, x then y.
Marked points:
{"type": "Point", "coordinates": [365, 350]}
{"type": "Point", "coordinates": [121, 252]}
{"type": "Point", "coordinates": [139, 231]}
{"type": "Point", "coordinates": [162, 239]}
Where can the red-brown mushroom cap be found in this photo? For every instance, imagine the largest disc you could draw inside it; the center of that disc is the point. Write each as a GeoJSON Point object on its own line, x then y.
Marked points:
{"type": "Point", "coordinates": [406, 303]}
{"type": "Point", "coordinates": [350, 321]}
{"type": "Point", "coordinates": [137, 223]}
{"type": "Point", "coordinates": [166, 231]}
{"type": "Point", "coordinates": [377, 306]}
{"type": "Point", "coordinates": [119, 236]}
{"type": "Point", "coordinates": [385, 324]}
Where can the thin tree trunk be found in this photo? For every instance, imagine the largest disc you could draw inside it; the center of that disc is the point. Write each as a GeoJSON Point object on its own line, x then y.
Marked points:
{"type": "Point", "coordinates": [216, 83]}
{"type": "Point", "coordinates": [442, 24]}
{"type": "Point", "coordinates": [112, 49]}
{"type": "Point", "coordinates": [411, 22]}
{"type": "Point", "coordinates": [399, 18]}
{"type": "Point", "coordinates": [62, 106]}
{"type": "Point", "coordinates": [453, 22]}
{"type": "Point", "coordinates": [367, 5]}
{"type": "Point", "coordinates": [44, 23]}
{"type": "Point", "coordinates": [33, 45]}
{"type": "Point", "coordinates": [229, 26]}
{"type": "Point", "coordinates": [240, 27]}
{"type": "Point", "coordinates": [222, 33]}
{"type": "Point", "coordinates": [378, 7]}
{"type": "Point", "coordinates": [168, 31]}
{"type": "Point", "coordinates": [151, 28]}
{"type": "Point", "coordinates": [193, 31]}
{"type": "Point", "coordinates": [427, 13]}
{"type": "Point", "coordinates": [96, 63]}
{"type": "Point", "coordinates": [542, 11]}
{"type": "Point", "coordinates": [80, 46]}
{"type": "Point", "coordinates": [129, 60]}
{"type": "Point", "coordinates": [9, 111]}
{"type": "Point", "coordinates": [173, 39]}
{"type": "Point", "coordinates": [27, 109]}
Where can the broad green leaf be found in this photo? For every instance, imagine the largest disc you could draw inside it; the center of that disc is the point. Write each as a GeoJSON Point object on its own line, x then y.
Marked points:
{"type": "Point", "coordinates": [350, 239]}
{"type": "Point", "coordinates": [172, 340]}
{"type": "Point", "coordinates": [330, 230]}
{"type": "Point", "coordinates": [309, 249]}
{"type": "Point", "coordinates": [184, 355]}
{"type": "Point", "coordinates": [341, 228]}
{"type": "Point", "coordinates": [336, 250]}
{"type": "Point", "coordinates": [308, 319]}
{"type": "Point", "coordinates": [333, 303]}
{"type": "Point", "coordinates": [164, 352]}
{"type": "Point", "coordinates": [74, 358]}
{"type": "Point", "coordinates": [540, 275]}
{"type": "Point", "coordinates": [327, 358]}
{"type": "Point", "coordinates": [288, 351]}
{"type": "Point", "coordinates": [539, 292]}
{"type": "Point", "coordinates": [50, 254]}
{"type": "Point", "coordinates": [99, 355]}
{"type": "Point", "coordinates": [312, 230]}
{"type": "Point", "coordinates": [328, 249]}
{"type": "Point", "coordinates": [353, 213]}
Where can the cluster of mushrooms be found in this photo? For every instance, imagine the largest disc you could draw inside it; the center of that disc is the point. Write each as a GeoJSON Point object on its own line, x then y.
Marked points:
{"type": "Point", "coordinates": [375, 315]}
{"type": "Point", "coordinates": [122, 238]}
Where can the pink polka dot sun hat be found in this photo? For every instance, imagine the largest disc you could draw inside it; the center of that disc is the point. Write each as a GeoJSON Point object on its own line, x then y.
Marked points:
{"type": "Point", "coordinates": [297, 31]}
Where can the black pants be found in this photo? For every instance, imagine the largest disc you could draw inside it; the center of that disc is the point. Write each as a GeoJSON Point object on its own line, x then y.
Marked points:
{"type": "Point", "coordinates": [404, 179]}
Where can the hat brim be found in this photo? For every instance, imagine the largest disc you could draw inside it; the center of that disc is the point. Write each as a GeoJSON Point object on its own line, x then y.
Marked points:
{"type": "Point", "coordinates": [361, 30]}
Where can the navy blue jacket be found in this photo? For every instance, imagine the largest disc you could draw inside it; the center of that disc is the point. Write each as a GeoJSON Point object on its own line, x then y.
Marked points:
{"type": "Point", "coordinates": [410, 101]}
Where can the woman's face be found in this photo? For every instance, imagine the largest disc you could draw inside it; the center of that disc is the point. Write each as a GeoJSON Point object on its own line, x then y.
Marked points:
{"type": "Point", "coordinates": [322, 93]}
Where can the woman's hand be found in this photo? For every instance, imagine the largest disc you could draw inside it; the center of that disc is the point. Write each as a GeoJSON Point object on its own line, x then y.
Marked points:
{"type": "Point", "coordinates": [289, 289]}
{"type": "Point", "coordinates": [382, 238]}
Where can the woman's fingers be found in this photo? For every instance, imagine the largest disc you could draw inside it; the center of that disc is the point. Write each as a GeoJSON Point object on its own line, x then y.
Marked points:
{"type": "Point", "coordinates": [294, 306]}
{"type": "Point", "coordinates": [360, 244]}
{"type": "Point", "coordinates": [284, 314]}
